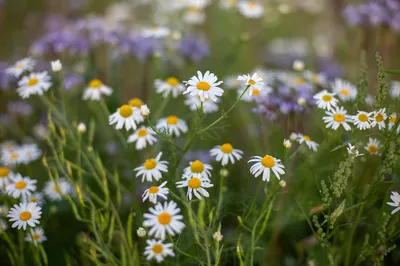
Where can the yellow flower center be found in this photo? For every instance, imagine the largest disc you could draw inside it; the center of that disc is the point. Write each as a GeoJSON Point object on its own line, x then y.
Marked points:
{"type": "Point", "coordinates": [142, 132]}
{"type": "Point", "coordinates": [338, 118]}
{"type": "Point", "coordinates": [306, 138]}
{"type": "Point", "coordinates": [4, 172]}
{"type": "Point", "coordinates": [20, 185]}
{"type": "Point", "coordinates": [95, 84]}
{"type": "Point", "coordinates": [36, 236]}
{"type": "Point", "coordinates": [197, 167]}
{"type": "Point", "coordinates": [203, 86]}
{"type": "Point", "coordinates": [150, 164]}
{"type": "Point", "coordinates": [194, 183]}
{"type": "Point", "coordinates": [135, 102]}
{"type": "Point", "coordinates": [172, 81]}
{"type": "Point", "coordinates": [164, 218]}
{"type": "Point", "coordinates": [344, 92]}
{"type": "Point", "coordinates": [153, 189]}
{"type": "Point", "coordinates": [172, 120]}
{"type": "Point", "coordinates": [256, 92]}
{"type": "Point", "coordinates": [372, 149]}
{"type": "Point", "coordinates": [327, 98]}
{"type": "Point", "coordinates": [379, 117]}
{"type": "Point", "coordinates": [33, 81]}
{"type": "Point", "coordinates": [393, 119]}
{"type": "Point", "coordinates": [251, 82]}
{"type": "Point", "coordinates": [363, 117]}
{"type": "Point", "coordinates": [268, 161]}
{"type": "Point", "coordinates": [125, 111]}
{"type": "Point", "coordinates": [25, 216]}
{"type": "Point", "coordinates": [300, 81]}
{"type": "Point", "coordinates": [226, 148]}
{"type": "Point", "coordinates": [157, 248]}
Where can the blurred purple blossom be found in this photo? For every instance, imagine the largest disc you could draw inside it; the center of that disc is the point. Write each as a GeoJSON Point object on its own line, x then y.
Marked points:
{"type": "Point", "coordinates": [193, 47]}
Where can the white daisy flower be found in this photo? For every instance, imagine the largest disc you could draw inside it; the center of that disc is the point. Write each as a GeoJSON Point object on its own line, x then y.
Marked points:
{"type": "Point", "coordinates": [20, 187]}
{"type": "Point", "coordinates": [198, 169]}
{"type": "Point", "coordinates": [54, 190]}
{"type": "Point", "coordinates": [195, 185]}
{"type": "Point", "coordinates": [154, 191]}
{"type": "Point", "coordinates": [170, 86]}
{"type": "Point", "coordinates": [152, 168]}
{"type": "Point", "coordinates": [173, 125]}
{"type": "Point", "coordinates": [392, 122]}
{"type": "Point", "coordinates": [194, 104]}
{"type": "Point", "coordinates": [362, 120]}
{"type": "Point", "coordinates": [395, 197]}
{"type": "Point", "coordinates": [251, 9]}
{"type": "Point", "coordinates": [337, 117]}
{"type": "Point", "coordinates": [194, 15]}
{"type": "Point", "coordinates": [34, 84]}
{"type": "Point", "coordinates": [156, 32]}
{"type": "Point", "coordinates": [395, 89]}
{"type": "Point", "coordinates": [378, 118]}
{"type": "Point", "coordinates": [373, 146]}
{"type": "Point", "coordinates": [164, 218]}
{"type": "Point", "coordinates": [225, 153]}
{"type": "Point", "coordinates": [142, 137]}
{"type": "Point", "coordinates": [157, 250]}
{"type": "Point", "coordinates": [11, 157]}
{"type": "Point", "coordinates": [264, 165]}
{"type": "Point", "coordinates": [315, 78]}
{"type": "Point", "coordinates": [24, 214]}
{"type": "Point", "coordinates": [255, 93]}
{"type": "Point", "coordinates": [37, 198]}
{"type": "Point", "coordinates": [325, 100]}
{"type": "Point", "coordinates": [204, 86]}
{"type": "Point", "coordinates": [36, 235]}
{"type": "Point", "coordinates": [3, 226]}
{"type": "Point", "coordinates": [126, 116]}
{"type": "Point", "coordinates": [95, 90]}
{"type": "Point", "coordinates": [312, 145]}
{"type": "Point", "coordinates": [254, 81]}
{"type": "Point", "coordinates": [344, 90]}
{"type": "Point", "coordinates": [20, 67]}
{"type": "Point", "coordinates": [29, 153]}
{"type": "Point", "coordinates": [5, 174]}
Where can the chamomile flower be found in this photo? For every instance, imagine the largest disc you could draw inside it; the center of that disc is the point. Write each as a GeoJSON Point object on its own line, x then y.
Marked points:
{"type": "Point", "coordinates": [362, 120]}
{"type": "Point", "coordinates": [169, 86]}
{"type": "Point", "coordinates": [20, 187]}
{"type": "Point", "coordinates": [3, 226]}
{"type": "Point", "coordinates": [204, 86]}
{"type": "Point", "coordinates": [395, 197]}
{"type": "Point", "coordinates": [344, 90]}
{"type": "Point", "coordinates": [194, 103]}
{"type": "Point", "coordinates": [157, 250]}
{"type": "Point", "coordinates": [152, 168]}
{"type": "Point", "coordinates": [337, 117]}
{"type": "Point", "coordinates": [95, 90]}
{"type": "Point", "coordinates": [312, 145]}
{"type": "Point", "coordinates": [5, 174]}
{"type": "Point", "coordinates": [163, 219]}
{"type": "Point", "coordinates": [36, 236]}
{"type": "Point", "coordinates": [173, 125]}
{"type": "Point", "coordinates": [195, 185]}
{"type": "Point", "coordinates": [225, 153]}
{"type": "Point", "coordinates": [127, 116]}
{"type": "Point", "coordinates": [326, 100]}
{"type": "Point", "coordinates": [315, 78]}
{"type": "Point", "coordinates": [378, 118]}
{"type": "Point", "coordinates": [142, 137]}
{"type": "Point", "coordinates": [29, 153]}
{"type": "Point", "coordinates": [254, 81]}
{"type": "Point", "coordinates": [251, 9]}
{"type": "Point", "coordinates": [20, 67]}
{"type": "Point", "coordinates": [198, 169]}
{"type": "Point", "coordinates": [156, 32]}
{"type": "Point", "coordinates": [155, 191]}
{"type": "Point", "coordinates": [373, 146]}
{"type": "Point", "coordinates": [54, 190]}
{"type": "Point", "coordinates": [264, 165]}
{"type": "Point", "coordinates": [395, 89]}
{"type": "Point", "coordinates": [34, 84]}
{"type": "Point", "coordinates": [36, 197]}
{"type": "Point", "coordinates": [24, 214]}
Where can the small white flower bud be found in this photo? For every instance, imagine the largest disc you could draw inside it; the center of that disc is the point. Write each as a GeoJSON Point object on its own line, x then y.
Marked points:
{"type": "Point", "coordinates": [224, 172]}
{"type": "Point", "coordinates": [141, 232]}
{"type": "Point", "coordinates": [298, 65]}
{"type": "Point", "coordinates": [282, 183]}
{"type": "Point", "coordinates": [81, 128]}
{"type": "Point", "coordinates": [287, 144]}
{"type": "Point", "coordinates": [301, 101]}
{"type": "Point", "coordinates": [56, 66]}
{"type": "Point", "coordinates": [217, 236]}
{"type": "Point", "coordinates": [144, 110]}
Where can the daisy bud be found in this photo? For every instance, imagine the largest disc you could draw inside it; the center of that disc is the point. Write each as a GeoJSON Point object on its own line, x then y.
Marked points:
{"type": "Point", "coordinates": [141, 232]}
{"type": "Point", "coordinates": [56, 66]}
{"type": "Point", "coordinates": [293, 136]}
{"type": "Point", "coordinates": [301, 101]}
{"type": "Point", "coordinates": [298, 65]}
{"type": "Point", "coordinates": [217, 236]}
{"type": "Point", "coordinates": [287, 144]}
{"type": "Point", "coordinates": [144, 110]}
{"type": "Point", "coordinates": [224, 172]}
{"type": "Point", "coordinates": [81, 128]}
{"type": "Point", "coordinates": [282, 183]}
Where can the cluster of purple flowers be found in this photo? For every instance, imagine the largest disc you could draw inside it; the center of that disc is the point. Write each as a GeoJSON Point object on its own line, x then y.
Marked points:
{"type": "Point", "coordinates": [374, 12]}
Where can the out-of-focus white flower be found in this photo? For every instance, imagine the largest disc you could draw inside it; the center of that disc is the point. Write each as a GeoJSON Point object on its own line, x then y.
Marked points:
{"type": "Point", "coordinates": [56, 66]}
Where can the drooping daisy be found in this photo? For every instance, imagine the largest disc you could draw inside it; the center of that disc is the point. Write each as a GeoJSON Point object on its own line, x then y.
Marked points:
{"type": "Point", "coordinates": [157, 250]}
{"type": "Point", "coordinates": [344, 90]}
{"type": "Point", "coordinates": [173, 125]}
{"type": "Point", "coordinates": [34, 84]}
{"type": "Point", "coordinates": [315, 78]}
{"type": "Point", "coordinates": [225, 153]}
{"type": "Point", "coordinates": [392, 122]}
{"type": "Point", "coordinates": [373, 146]}
{"type": "Point", "coordinates": [337, 117]}
{"type": "Point", "coordinates": [5, 174]}
{"type": "Point", "coordinates": [11, 157]}
{"type": "Point", "coordinates": [264, 165]}
{"type": "Point", "coordinates": [362, 120]}
{"type": "Point", "coordinates": [20, 67]}
{"type": "Point", "coordinates": [195, 185]}
{"type": "Point", "coordinates": [3, 226]}
{"type": "Point", "coordinates": [378, 118]}
{"type": "Point", "coordinates": [95, 90]}
{"type": "Point", "coordinates": [204, 86]}
{"type": "Point", "coordinates": [36, 197]}
{"type": "Point", "coordinates": [54, 190]}
{"type": "Point", "coordinates": [154, 191]}
{"type": "Point", "coordinates": [126, 116]}
{"type": "Point", "coordinates": [36, 236]}
{"type": "Point", "coordinates": [20, 187]}
{"type": "Point", "coordinates": [29, 153]}
{"type": "Point", "coordinates": [142, 137]}
{"type": "Point", "coordinates": [254, 81]}
{"type": "Point", "coordinates": [156, 32]}
{"type": "Point", "coordinates": [24, 214]}
{"type": "Point", "coordinates": [163, 219]}
{"type": "Point", "coordinates": [312, 145]}
{"type": "Point", "coordinates": [170, 86]}
{"type": "Point", "coordinates": [251, 9]}
{"type": "Point", "coordinates": [325, 100]}
{"type": "Point", "coordinates": [194, 104]}
{"type": "Point", "coordinates": [152, 168]}
{"type": "Point", "coordinates": [395, 197]}
{"type": "Point", "coordinates": [198, 169]}
{"type": "Point", "coordinates": [395, 89]}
